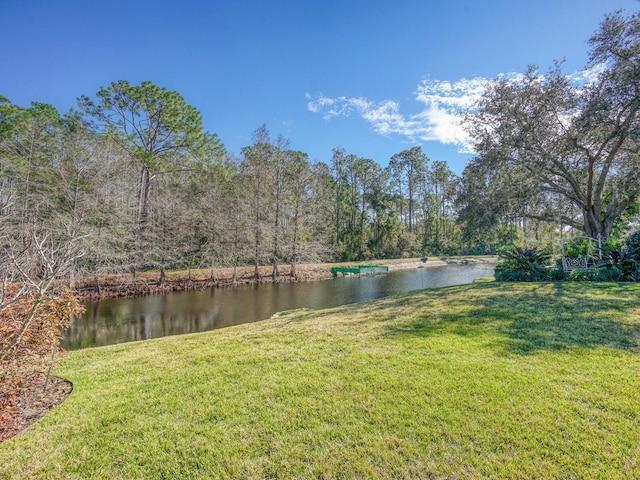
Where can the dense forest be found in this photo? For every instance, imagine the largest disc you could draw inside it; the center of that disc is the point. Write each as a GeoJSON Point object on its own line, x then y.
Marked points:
{"type": "Point", "coordinates": [130, 181]}
{"type": "Point", "coordinates": [135, 183]}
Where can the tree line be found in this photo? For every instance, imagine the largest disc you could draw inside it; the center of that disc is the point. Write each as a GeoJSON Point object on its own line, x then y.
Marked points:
{"type": "Point", "coordinates": [565, 155]}
{"type": "Point", "coordinates": [132, 181]}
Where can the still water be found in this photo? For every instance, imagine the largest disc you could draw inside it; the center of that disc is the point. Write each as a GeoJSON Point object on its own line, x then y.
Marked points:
{"type": "Point", "coordinates": [122, 320]}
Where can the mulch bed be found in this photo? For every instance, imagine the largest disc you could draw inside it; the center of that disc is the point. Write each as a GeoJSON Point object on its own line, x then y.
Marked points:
{"type": "Point", "coordinates": [34, 403]}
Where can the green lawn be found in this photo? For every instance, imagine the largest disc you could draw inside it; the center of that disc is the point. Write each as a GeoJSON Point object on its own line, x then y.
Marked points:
{"type": "Point", "coordinates": [487, 380]}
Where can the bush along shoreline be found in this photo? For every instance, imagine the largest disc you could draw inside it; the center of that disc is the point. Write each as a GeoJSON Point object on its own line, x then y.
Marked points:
{"type": "Point", "coordinates": [609, 262]}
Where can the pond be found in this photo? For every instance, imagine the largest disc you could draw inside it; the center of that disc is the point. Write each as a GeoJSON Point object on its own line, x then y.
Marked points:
{"type": "Point", "coordinates": [122, 320]}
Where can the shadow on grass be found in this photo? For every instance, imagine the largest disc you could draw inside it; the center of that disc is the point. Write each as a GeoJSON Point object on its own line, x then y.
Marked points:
{"type": "Point", "coordinates": [528, 318]}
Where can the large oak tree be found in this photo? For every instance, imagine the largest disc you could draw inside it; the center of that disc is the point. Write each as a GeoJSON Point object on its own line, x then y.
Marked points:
{"type": "Point", "coordinates": [577, 142]}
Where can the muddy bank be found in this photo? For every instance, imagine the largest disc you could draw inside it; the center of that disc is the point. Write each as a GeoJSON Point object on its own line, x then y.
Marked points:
{"type": "Point", "coordinates": [148, 283]}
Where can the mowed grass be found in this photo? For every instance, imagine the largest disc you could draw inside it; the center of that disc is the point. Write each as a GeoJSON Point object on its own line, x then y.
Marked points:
{"type": "Point", "coordinates": [488, 380]}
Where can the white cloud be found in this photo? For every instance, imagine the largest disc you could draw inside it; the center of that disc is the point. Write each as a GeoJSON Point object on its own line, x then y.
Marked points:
{"type": "Point", "coordinates": [444, 102]}
{"type": "Point", "coordinates": [440, 119]}
{"type": "Point", "coordinates": [587, 76]}
{"type": "Point", "coordinates": [338, 107]}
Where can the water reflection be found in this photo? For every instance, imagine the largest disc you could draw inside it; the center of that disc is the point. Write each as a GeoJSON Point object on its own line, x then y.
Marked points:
{"type": "Point", "coordinates": [128, 319]}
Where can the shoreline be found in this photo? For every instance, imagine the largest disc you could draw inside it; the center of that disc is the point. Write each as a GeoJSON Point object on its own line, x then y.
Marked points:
{"type": "Point", "coordinates": [148, 283]}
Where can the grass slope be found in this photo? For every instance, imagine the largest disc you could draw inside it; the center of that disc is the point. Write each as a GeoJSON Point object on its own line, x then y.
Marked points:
{"type": "Point", "coordinates": [487, 380]}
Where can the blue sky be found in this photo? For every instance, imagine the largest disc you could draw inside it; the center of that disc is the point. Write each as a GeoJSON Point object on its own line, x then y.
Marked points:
{"type": "Point", "coordinates": [374, 77]}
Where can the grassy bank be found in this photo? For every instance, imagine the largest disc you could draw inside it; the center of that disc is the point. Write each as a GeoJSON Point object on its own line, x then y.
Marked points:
{"type": "Point", "coordinates": [486, 380]}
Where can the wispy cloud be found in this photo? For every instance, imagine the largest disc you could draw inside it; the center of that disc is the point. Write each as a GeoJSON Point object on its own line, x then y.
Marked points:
{"type": "Point", "coordinates": [440, 118]}
{"type": "Point", "coordinates": [444, 102]}
{"type": "Point", "coordinates": [587, 76]}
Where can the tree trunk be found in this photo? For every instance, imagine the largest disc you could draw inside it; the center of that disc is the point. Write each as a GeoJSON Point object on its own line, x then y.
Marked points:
{"type": "Point", "coordinates": [294, 252]}
{"type": "Point", "coordinates": [362, 213]}
{"type": "Point", "coordinates": [410, 204]}
{"type": "Point", "coordinates": [72, 276]}
{"type": "Point", "coordinates": [276, 222]}
{"type": "Point", "coordinates": [337, 214]}
{"type": "Point", "coordinates": [596, 228]}
{"type": "Point", "coordinates": [143, 198]}
{"type": "Point", "coordinates": [96, 283]}
{"type": "Point", "coordinates": [256, 269]}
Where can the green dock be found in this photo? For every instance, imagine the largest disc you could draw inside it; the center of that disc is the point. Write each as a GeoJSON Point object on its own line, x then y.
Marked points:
{"type": "Point", "coordinates": [360, 270]}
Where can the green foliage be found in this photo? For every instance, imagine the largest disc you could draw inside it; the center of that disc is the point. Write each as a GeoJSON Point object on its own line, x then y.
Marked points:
{"type": "Point", "coordinates": [609, 273]}
{"type": "Point", "coordinates": [620, 264]}
{"type": "Point", "coordinates": [582, 275]}
{"type": "Point", "coordinates": [582, 247]}
{"type": "Point", "coordinates": [153, 123]}
{"type": "Point", "coordinates": [632, 246]}
{"type": "Point", "coordinates": [523, 265]}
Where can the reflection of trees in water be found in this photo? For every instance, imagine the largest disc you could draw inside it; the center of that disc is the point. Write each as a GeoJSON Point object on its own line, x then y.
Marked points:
{"type": "Point", "coordinates": [128, 319]}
